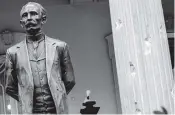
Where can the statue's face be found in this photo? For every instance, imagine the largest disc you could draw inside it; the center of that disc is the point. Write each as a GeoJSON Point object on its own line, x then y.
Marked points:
{"type": "Point", "coordinates": [31, 19]}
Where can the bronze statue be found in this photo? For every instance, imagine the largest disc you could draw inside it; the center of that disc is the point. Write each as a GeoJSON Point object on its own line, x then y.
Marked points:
{"type": "Point", "coordinates": [39, 70]}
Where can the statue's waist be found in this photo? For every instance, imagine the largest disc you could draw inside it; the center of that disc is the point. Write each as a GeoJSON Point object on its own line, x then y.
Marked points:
{"type": "Point", "coordinates": [43, 98]}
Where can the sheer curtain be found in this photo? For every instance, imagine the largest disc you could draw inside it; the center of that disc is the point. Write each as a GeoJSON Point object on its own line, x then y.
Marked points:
{"type": "Point", "coordinates": [8, 105]}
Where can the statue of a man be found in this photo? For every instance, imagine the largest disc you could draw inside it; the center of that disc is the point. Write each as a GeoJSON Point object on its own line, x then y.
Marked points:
{"type": "Point", "coordinates": [38, 69]}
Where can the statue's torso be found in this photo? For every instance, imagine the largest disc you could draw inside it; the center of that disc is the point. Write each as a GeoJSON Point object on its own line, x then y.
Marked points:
{"type": "Point", "coordinates": [42, 99]}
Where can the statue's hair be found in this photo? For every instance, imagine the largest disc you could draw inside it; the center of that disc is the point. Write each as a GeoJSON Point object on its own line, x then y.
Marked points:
{"type": "Point", "coordinates": [42, 9]}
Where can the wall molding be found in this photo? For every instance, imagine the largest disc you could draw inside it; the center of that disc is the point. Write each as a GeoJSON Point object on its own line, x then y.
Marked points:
{"type": "Point", "coordinates": [110, 46]}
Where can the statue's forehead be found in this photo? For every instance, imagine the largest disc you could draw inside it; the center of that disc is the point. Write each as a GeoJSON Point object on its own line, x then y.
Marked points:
{"type": "Point", "coordinates": [31, 7]}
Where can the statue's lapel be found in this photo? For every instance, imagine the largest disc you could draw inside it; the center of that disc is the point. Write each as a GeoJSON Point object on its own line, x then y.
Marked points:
{"type": "Point", "coordinates": [24, 59]}
{"type": "Point", "coordinates": [50, 53]}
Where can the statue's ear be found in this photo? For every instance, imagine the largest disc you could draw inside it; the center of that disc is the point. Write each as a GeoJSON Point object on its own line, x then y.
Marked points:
{"type": "Point", "coordinates": [21, 23]}
{"type": "Point", "coordinates": [44, 19]}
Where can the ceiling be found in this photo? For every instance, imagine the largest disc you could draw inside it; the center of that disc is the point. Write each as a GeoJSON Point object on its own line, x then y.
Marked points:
{"type": "Point", "coordinates": [6, 5]}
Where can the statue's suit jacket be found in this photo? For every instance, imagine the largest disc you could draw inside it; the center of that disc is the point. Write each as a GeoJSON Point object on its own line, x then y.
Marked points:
{"type": "Point", "coordinates": [61, 80]}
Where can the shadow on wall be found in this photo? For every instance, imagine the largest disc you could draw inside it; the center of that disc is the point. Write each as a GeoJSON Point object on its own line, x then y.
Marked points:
{"type": "Point", "coordinates": [163, 111]}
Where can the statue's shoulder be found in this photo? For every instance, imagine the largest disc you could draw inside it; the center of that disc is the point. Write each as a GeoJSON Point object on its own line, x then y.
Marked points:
{"type": "Point", "coordinates": [57, 41]}
{"type": "Point", "coordinates": [14, 48]}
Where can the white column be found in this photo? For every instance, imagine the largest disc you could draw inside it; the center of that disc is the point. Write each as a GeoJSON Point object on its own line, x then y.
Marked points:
{"type": "Point", "coordinates": [142, 56]}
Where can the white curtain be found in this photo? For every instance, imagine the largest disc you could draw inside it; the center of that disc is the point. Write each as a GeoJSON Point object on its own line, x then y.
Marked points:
{"type": "Point", "coordinates": [8, 105]}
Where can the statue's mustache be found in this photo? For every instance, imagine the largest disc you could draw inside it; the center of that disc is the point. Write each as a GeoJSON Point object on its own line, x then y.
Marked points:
{"type": "Point", "coordinates": [30, 24]}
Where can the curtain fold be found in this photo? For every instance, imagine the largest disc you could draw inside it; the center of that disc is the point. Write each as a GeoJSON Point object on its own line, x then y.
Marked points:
{"type": "Point", "coordinates": [2, 69]}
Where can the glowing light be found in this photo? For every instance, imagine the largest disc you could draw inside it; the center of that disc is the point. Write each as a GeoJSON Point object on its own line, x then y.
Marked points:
{"type": "Point", "coordinates": [9, 107]}
{"type": "Point", "coordinates": [88, 92]}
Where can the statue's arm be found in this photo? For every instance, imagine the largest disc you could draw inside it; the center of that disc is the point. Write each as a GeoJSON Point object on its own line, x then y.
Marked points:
{"type": "Point", "coordinates": [11, 78]}
{"type": "Point", "coordinates": [67, 70]}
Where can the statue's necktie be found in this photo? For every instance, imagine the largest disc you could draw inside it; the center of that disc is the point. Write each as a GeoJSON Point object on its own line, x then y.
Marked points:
{"type": "Point", "coordinates": [35, 46]}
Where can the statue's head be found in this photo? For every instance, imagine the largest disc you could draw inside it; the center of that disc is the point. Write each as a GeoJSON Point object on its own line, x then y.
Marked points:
{"type": "Point", "coordinates": [32, 17]}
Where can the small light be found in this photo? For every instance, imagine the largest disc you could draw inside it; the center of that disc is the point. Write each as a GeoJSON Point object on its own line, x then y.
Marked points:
{"type": "Point", "coordinates": [9, 107]}
{"type": "Point", "coordinates": [88, 92]}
